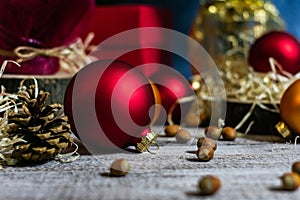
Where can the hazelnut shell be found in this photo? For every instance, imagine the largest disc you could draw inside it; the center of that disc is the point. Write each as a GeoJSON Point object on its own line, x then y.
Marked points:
{"type": "Point", "coordinates": [213, 132]}
{"type": "Point", "coordinates": [207, 142]}
{"type": "Point", "coordinates": [183, 136]}
{"type": "Point", "coordinates": [119, 167]}
{"type": "Point", "coordinates": [296, 167]}
{"type": "Point", "coordinates": [290, 181]}
{"type": "Point", "coordinates": [209, 184]}
{"type": "Point", "coordinates": [171, 130]}
{"type": "Point", "coordinates": [205, 153]}
{"type": "Point", "coordinates": [229, 133]}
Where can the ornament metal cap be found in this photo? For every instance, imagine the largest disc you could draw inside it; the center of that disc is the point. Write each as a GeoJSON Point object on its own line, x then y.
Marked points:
{"type": "Point", "coordinates": [146, 142]}
{"type": "Point", "coordinates": [283, 130]}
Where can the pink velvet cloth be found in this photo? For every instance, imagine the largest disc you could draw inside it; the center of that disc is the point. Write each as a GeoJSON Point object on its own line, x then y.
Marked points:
{"type": "Point", "coordinates": [41, 24]}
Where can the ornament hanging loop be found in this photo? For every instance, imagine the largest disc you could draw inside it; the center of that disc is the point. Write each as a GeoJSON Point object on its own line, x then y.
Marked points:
{"type": "Point", "coordinates": [147, 141]}
{"type": "Point", "coordinates": [156, 151]}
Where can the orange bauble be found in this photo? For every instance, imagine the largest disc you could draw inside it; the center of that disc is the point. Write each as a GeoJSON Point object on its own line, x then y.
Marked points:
{"type": "Point", "coordinates": [290, 107]}
{"type": "Point", "coordinates": [157, 102]}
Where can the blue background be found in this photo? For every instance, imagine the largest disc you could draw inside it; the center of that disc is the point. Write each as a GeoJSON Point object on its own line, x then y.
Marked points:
{"type": "Point", "coordinates": [290, 13]}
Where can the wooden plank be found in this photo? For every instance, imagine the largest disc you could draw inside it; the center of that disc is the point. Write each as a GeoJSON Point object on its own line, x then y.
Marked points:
{"type": "Point", "coordinates": [248, 169]}
{"type": "Point", "coordinates": [55, 84]}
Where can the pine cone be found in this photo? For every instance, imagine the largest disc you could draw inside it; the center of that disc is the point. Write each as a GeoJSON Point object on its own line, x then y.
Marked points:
{"type": "Point", "coordinates": [45, 133]}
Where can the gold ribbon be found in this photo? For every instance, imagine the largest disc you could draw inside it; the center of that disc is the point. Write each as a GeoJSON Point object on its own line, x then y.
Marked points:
{"type": "Point", "coordinates": [25, 53]}
{"type": "Point", "coordinates": [72, 57]}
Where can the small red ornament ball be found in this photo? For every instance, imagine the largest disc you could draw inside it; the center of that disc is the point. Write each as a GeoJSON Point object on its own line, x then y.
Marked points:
{"type": "Point", "coordinates": [108, 104]}
{"type": "Point", "coordinates": [280, 45]}
{"type": "Point", "coordinates": [172, 86]}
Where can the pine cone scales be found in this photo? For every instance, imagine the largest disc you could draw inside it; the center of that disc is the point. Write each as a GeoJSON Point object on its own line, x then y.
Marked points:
{"type": "Point", "coordinates": [45, 133]}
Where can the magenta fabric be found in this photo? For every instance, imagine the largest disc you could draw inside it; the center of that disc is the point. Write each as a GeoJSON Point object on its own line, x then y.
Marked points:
{"type": "Point", "coordinates": [42, 24]}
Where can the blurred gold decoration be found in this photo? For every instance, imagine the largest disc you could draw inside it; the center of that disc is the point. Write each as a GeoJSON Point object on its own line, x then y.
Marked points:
{"type": "Point", "coordinates": [283, 129]}
{"type": "Point", "coordinates": [262, 90]}
{"type": "Point", "coordinates": [231, 26]}
{"type": "Point", "coordinates": [226, 29]}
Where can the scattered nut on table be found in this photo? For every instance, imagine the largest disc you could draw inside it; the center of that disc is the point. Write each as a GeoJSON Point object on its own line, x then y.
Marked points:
{"type": "Point", "coordinates": [229, 133]}
{"type": "Point", "coordinates": [205, 153]}
{"type": "Point", "coordinates": [171, 130]}
{"type": "Point", "coordinates": [209, 185]}
{"type": "Point", "coordinates": [290, 181]}
{"type": "Point", "coordinates": [119, 167]}
{"type": "Point", "coordinates": [207, 142]}
{"type": "Point", "coordinates": [183, 136]}
{"type": "Point", "coordinates": [296, 167]}
{"type": "Point", "coordinates": [213, 132]}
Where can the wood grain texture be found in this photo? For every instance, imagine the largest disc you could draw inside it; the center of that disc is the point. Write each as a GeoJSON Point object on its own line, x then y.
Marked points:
{"type": "Point", "coordinates": [55, 84]}
{"type": "Point", "coordinates": [248, 169]}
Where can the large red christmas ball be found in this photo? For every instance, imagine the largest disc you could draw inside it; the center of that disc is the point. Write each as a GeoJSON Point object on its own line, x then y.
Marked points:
{"type": "Point", "coordinates": [282, 46]}
{"type": "Point", "coordinates": [108, 104]}
{"type": "Point", "coordinates": [172, 86]}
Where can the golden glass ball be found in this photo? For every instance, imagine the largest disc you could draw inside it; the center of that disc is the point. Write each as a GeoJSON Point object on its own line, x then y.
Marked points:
{"type": "Point", "coordinates": [223, 25]}
{"type": "Point", "coordinates": [290, 107]}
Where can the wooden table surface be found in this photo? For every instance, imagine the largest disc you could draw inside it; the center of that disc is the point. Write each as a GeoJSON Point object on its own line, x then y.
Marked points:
{"type": "Point", "coordinates": [248, 169]}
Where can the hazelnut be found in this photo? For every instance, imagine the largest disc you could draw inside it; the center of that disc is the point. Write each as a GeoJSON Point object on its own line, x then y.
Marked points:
{"type": "Point", "coordinates": [205, 153]}
{"type": "Point", "coordinates": [213, 132]}
{"type": "Point", "coordinates": [209, 184]}
{"type": "Point", "coordinates": [229, 133]}
{"type": "Point", "coordinates": [296, 167]}
{"type": "Point", "coordinates": [290, 181]}
{"type": "Point", "coordinates": [119, 167]}
{"type": "Point", "coordinates": [171, 130]}
{"type": "Point", "coordinates": [183, 136]}
{"type": "Point", "coordinates": [206, 142]}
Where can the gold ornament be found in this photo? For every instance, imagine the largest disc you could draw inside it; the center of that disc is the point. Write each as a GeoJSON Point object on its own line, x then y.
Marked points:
{"type": "Point", "coordinates": [290, 107]}
{"type": "Point", "coordinates": [146, 142]}
{"type": "Point", "coordinates": [226, 28]}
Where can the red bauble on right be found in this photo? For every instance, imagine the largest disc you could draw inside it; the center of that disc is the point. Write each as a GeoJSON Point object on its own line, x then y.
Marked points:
{"type": "Point", "coordinates": [172, 86]}
{"type": "Point", "coordinates": [281, 46]}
